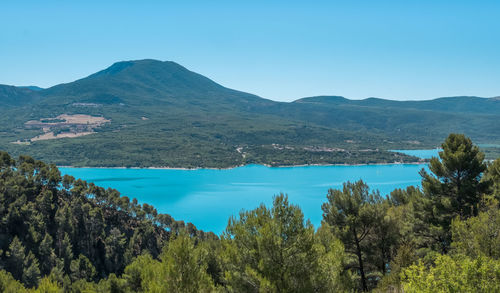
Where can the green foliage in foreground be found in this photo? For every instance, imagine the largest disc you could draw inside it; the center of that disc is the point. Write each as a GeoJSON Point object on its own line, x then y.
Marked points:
{"type": "Point", "coordinates": [276, 251]}
{"type": "Point", "coordinates": [365, 243]}
{"type": "Point", "coordinates": [70, 229]}
{"type": "Point", "coordinates": [453, 274]}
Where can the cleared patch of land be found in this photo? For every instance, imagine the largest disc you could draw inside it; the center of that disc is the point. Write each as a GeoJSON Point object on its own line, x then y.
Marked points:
{"type": "Point", "coordinates": [66, 119]}
{"type": "Point", "coordinates": [65, 126]}
{"type": "Point", "coordinates": [51, 135]}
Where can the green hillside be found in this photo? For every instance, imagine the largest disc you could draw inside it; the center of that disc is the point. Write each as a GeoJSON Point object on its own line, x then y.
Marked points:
{"type": "Point", "coordinates": [11, 96]}
{"type": "Point", "coordinates": [422, 121]}
{"type": "Point", "coordinates": [162, 114]}
{"type": "Point", "coordinates": [464, 104]}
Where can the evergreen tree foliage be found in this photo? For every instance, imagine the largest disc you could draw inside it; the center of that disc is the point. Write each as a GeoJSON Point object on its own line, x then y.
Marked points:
{"type": "Point", "coordinates": [493, 176]}
{"type": "Point", "coordinates": [455, 187]}
{"type": "Point", "coordinates": [356, 218]}
{"type": "Point", "coordinates": [60, 234]}
{"type": "Point", "coordinates": [31, 272]}
{"type": "Point", "coordinates": [70, 228]}
{"type": "Point", "coordinates": [478, 236]}
{"type": "Point", "coordinates": [15, 258]}
{"type": "Point", "coordinates": [276, 250]}
{"type": "Point", "coordinates": [453, 274]}
{"type": "Point", "coordinates": [8, 284]}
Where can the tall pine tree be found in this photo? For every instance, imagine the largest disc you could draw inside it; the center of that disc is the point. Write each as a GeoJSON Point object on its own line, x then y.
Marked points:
{"type": "Point", "coordinates": [454, 188]}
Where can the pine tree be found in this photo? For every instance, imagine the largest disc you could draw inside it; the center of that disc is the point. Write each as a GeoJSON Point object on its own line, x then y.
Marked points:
{"type": "Point", "coordinates": [455, 187]}
{"type": "Point", "coordinates": [493, 176]}
{"type": "Point", "coordinates": [82, 269]}
{"type": "Point", "coordinates": [7, 283]}
{"type": "Point", "coordinates": [115, 250]}
{"type": "Point", "coordinates": [354, 214]}
{"type": "Point", "coordinates": [47, 254]}
{"type": "Point", "coordinates": [16, 255]}
{"type": "Point", "coordinates": [183, 267]}
{"type": "Point", "coordinates": [31, 271]}
{"type": "Point", "coordinates": [276, 250]}
{"type": "Point", "coordinates": [66, 252]}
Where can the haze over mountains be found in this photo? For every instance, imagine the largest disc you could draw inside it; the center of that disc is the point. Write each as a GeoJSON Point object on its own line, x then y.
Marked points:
{"type": "Point", "coordinates": [162, 114]}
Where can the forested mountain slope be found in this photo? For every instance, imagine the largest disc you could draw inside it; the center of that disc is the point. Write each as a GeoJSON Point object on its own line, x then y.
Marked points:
{"type": "Point", "coordinates": [155, 113]}
{"type": "Point", "coordinates": [11, 96]}
{"type": "Point", "coordinates": [405, 120]}
{"type": "Point", "coordinates": [464, 104]}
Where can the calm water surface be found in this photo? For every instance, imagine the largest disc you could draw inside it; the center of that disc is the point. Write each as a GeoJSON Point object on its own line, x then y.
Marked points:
{"type": "Point", "coordinates": [424, 154]}
{"type": "Point", "coordinates": [207, 198]}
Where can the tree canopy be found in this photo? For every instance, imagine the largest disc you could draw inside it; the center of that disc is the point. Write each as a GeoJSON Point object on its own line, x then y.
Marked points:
{"type": "Point", "coordinates": [60, 234]}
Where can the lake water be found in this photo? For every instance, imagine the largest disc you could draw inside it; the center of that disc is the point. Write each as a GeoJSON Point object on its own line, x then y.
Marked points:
{"type": "Point", "coordinates": [424, 154]}
{"type": "Point", "coordinates": [207, 198]}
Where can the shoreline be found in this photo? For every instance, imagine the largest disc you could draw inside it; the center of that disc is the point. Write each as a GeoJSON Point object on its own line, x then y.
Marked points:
{"type": "Point", "coordinates": [243, 165]}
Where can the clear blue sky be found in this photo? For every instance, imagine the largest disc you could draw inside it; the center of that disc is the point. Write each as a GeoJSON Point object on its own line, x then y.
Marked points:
{"type": "Point", "coordinates": [282, 50]}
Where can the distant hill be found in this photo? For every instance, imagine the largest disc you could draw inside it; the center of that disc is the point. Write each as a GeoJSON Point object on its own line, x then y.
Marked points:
{"type": "Point", "coordinates": [448, 104]}
{"type": "Point", "coordinates": [162, 114]}
{"type": "Point", "coordinates": [12, 96]}
{"type": "Point", "coordinates": [410, 120]}
{"type": "Point", "coordinates": [32, 87]}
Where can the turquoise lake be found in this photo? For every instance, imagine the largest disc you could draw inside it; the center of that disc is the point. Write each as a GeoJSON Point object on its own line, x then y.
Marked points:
{"type": "Point", "coordinates": [424, 154]}
{"type": "Point", "coordinates": [207, 197]}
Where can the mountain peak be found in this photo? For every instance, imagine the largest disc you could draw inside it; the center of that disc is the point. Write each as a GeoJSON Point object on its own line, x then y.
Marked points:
{"type": "Point", "coordinates": [322, 99]}
{"type": "Point", "coordinates": [138, 65]}
{"type": "Point", "coordinates": [32, 87]}
{"type": "Point", "coordinates": [146, 81]}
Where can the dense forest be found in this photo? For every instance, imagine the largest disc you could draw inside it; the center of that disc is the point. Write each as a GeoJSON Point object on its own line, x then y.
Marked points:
{"type": "Point", "coordinates": [58, 234]}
